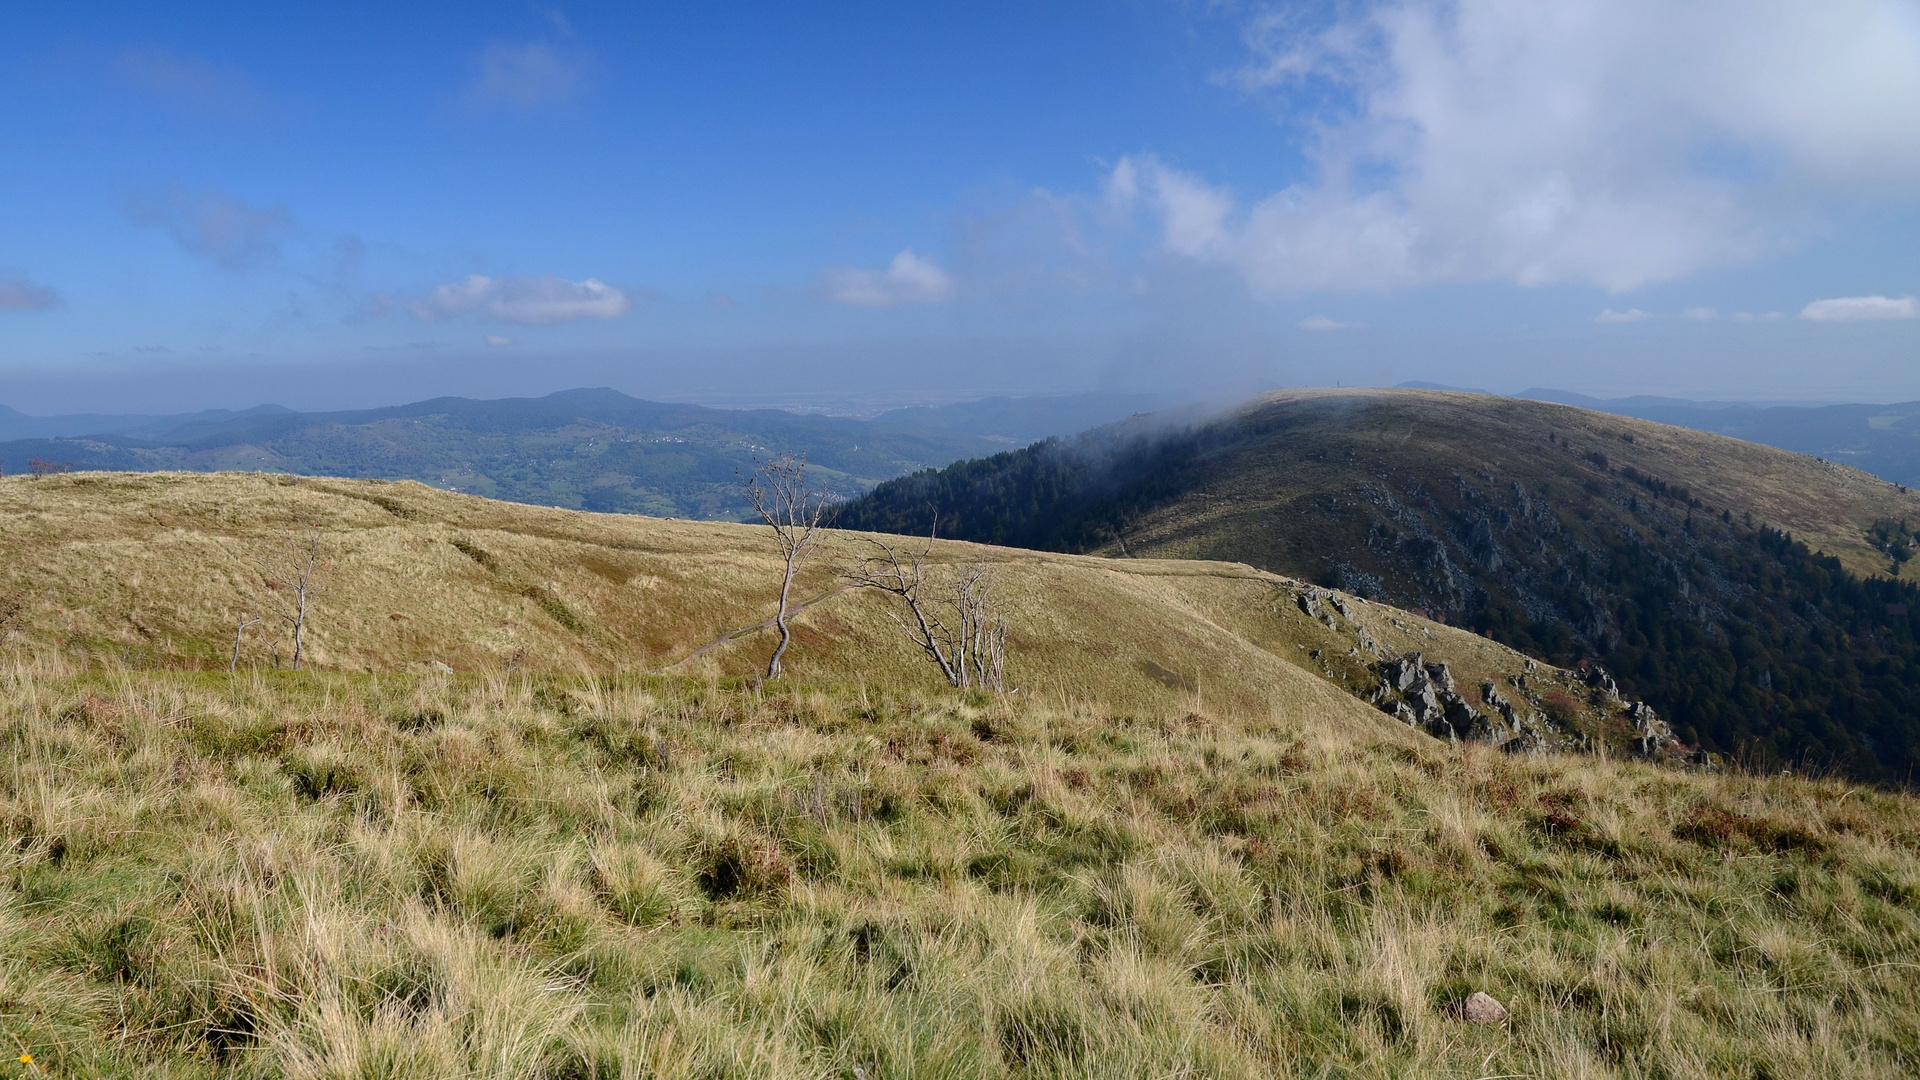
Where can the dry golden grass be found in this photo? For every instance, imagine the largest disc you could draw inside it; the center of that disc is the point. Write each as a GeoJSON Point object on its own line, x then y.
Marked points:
{"type": "Point", "coordinates": [337, 875]}
{"type": "Point", "coordinates": [126, 571]}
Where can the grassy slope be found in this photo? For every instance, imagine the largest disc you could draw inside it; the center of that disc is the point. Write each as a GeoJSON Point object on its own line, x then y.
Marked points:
{"type": "Point", "coordinates": [1173, 854]}
{"type": "Point", "coordinates": [146, 570]}
{"type": "Point", "coordinates": [503, 877]}
{"type": "Point", "coordinates": [1329, 440]}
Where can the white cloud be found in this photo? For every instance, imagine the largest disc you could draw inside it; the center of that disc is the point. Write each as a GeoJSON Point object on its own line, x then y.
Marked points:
{"type": "Point", "coordinates": [217, 226]}
{"type": "Point", "coordinates": [22, 293]}
{"type": "Point", "coordinates": [1701, 314]}
{"type": "Point", "coordinates": [1861, 308]}
{"type": "Point", "coordinates": [1629, 315]}
{"type": "Point", "coordinates": [908, 279]}
{"type": "Point", "coordinates": [528, 76]}
{"type": "Point", "coordinates": [530, 301]}
{"type": "Point", "coordinates": [498, 342]}
{"type": "Point", "coordinates": [1755, 316]}
{"type": "Point", "coordinates": [1321, 322]}
{"type": "Point", "coordinates": [1605, 142]}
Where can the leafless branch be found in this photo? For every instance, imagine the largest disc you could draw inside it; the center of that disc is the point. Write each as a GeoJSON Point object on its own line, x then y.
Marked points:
{"type": "Point", "coordinates": [780, 496]}
{"type": "Point", "coordinates": [294, 572]}
{"type": "Point", "coordinates": [949, 613]}
{"type": "Point", "coordinates": [241, 624]}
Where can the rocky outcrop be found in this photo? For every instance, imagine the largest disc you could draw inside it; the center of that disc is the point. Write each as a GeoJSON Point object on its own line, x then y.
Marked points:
{"type": "Point", "coordinates": [1596, 676]}
{"type": "Point", "coordinates": [1315, 603]}
{"type": "Point", "coordinates": [1309, 600]}
{"type": "Point", "coordinates": [1426, 696]}
{"type": "Point", "coordinates": [1651, 735]}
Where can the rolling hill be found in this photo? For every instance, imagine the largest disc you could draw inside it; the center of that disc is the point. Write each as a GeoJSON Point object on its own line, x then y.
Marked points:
{"type": "Point", "coordinates": [144, 571]}
{"type": "Point", "coordinates": [1750, 594]}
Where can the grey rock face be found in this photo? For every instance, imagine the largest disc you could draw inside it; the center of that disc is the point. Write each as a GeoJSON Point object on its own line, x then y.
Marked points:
{"type": "Point", "coordinates": [1367, 643]}
{"type": "Point", "coordinates": [1426, 696]}
{"type": "Point", "coordinates": [1652, 735]}
{"type": "Point", "coordinates": [1596, 676]}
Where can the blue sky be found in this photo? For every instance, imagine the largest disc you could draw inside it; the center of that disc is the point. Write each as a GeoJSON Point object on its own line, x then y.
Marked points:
{"type": "Point", "coordinates": [334, 205]}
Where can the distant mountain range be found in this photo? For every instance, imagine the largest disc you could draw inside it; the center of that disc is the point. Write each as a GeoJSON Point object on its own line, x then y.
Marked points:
{"type": "Point", "coordinates": [18, 425]}
{"type": "Point", "coordinates": [583, 449]}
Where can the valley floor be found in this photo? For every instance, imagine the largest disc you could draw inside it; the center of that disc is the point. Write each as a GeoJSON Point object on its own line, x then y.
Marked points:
{"type": "Point", "coordinates": [489, 876]}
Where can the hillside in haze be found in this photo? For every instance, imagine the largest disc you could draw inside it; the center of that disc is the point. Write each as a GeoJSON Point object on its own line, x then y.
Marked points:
{"type": "Point", "coordinates": [1881, 439]}
{"type": "Point", "coordinates": [585, 449]}
{"type": "Point", "coordinates": [1742, 590]}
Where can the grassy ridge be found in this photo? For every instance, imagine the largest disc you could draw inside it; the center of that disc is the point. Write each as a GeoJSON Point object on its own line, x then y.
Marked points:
{"type": "Point", "coordinates": [336, 875]}
{"type": "Point", "coordinates": [137, 571]}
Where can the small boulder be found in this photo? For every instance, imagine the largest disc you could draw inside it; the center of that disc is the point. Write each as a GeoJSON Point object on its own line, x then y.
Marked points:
{"type": "Point", "coordinates": [1480, 1008]}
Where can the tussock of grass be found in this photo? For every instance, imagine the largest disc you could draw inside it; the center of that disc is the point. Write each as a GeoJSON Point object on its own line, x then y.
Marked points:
{"type": "Point", "coordinates": [356, 876]}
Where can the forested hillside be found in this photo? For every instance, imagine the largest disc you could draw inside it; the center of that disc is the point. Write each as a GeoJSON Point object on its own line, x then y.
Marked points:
{"type": "Point", "coordinates": [1745, 592]}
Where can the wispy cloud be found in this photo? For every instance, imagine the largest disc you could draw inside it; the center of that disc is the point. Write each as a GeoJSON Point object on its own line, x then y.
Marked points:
{"type": "Point", "coordinates": [1701, 314]}
{"type": "Point", "coordinates": [1322, 322]}
{"type": "Point", "coordinates": [908, 279]}
{"type": "Point", "coordinates": [190, 80]}
{"type": "Point", "coordinates": [529, 75]}
{"type": "Point", "coordinates": [530, 301]}
{"type": "Point", "coordinates": [217, 226]}
{"type": "Point", "coordinates": [498, 342]}
{"type": "Point", "coordinates": [1861, 309]}
{"type": "Point", "coordinates": [1629, 315]}
{"type": "Point", "coordinates": [1755, 316]}
{"type": "Point", "coordinates": [1604, 142]}
{"type": "Point", "coordinates": [19, 292]}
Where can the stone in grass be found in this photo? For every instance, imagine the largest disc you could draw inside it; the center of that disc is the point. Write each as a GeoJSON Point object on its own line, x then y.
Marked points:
{"type": "Point", "coordinates": [1478, 1008]}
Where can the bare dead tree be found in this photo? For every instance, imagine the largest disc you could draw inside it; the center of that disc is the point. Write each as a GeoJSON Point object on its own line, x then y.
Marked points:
{"type": "Point", "coordinates": [294, 571]}
{"type": "Point", "coordinates": [780, 496]}
{"type": "Point", "coordinates": [241, 623]}
{"type": "Point", "coordinates": [40, 468]}
{"type": "Point", "coordinates": [982, 633]}
{"type": "Point", "coordinates": [950, 613]}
